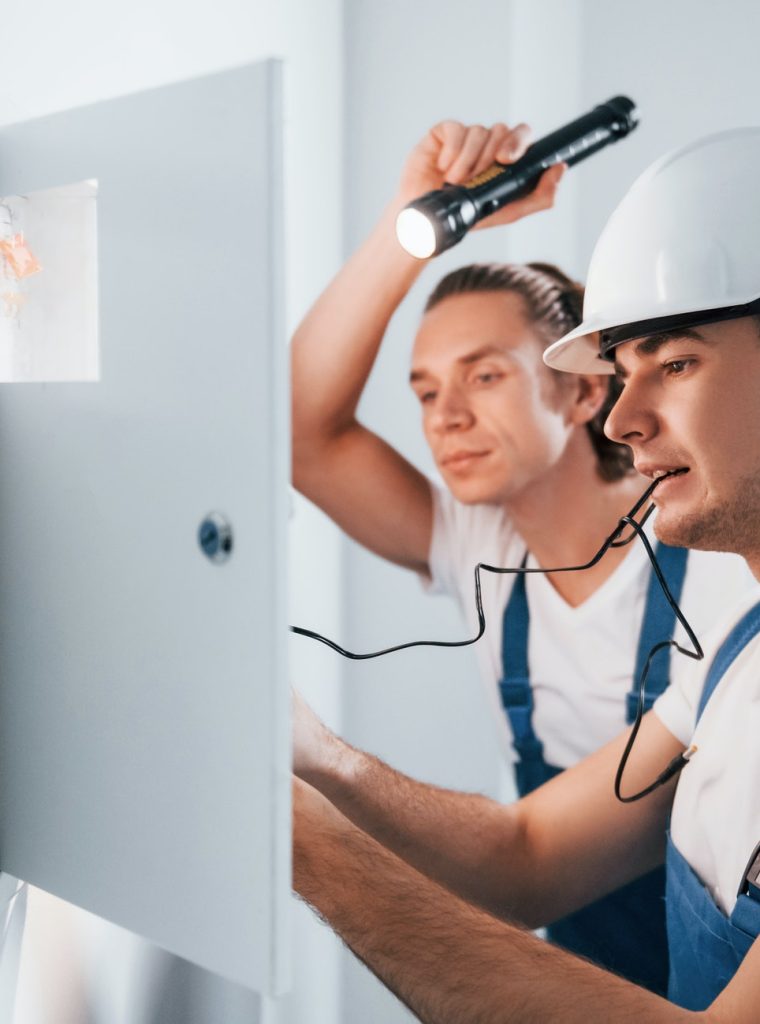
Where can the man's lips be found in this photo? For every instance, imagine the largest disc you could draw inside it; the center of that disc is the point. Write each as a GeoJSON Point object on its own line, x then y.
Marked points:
{"type": "Point", "coordinates": [462, 457]}
{"type": "Point", "coordinates": [658, 472]}
{"type": "Point", "coordinates": [665, 482]}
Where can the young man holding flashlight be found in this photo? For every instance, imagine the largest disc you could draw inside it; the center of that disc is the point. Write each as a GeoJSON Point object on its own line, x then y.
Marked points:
{"type": "Point", "coordinates": [527, 469]}
{"type": "Point", "coordinates": [433, 889]}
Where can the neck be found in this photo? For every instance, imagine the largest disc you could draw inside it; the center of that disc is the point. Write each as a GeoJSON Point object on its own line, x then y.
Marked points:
{"type": "Point", "coordinates": [566, 515]}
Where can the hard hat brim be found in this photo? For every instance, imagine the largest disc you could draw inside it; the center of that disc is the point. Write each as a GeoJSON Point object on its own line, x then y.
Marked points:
{"type": "Point", "coordinates": [578, 351]}
{"type": "Point", "coordinates": [587, 350]}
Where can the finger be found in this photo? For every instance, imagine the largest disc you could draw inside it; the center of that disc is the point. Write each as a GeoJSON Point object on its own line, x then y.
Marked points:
{"type": "Point", "coordinates": [449, 137]}
{"type": "Point", "coordinates": [496, 137]}
{"type": "Point", "coordinates": [515, 144]}
{"type": "Point", "coordinates": [464, 165]}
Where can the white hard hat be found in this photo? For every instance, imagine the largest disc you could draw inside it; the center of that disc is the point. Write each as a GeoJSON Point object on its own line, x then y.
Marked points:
{"type": "Point", "coordinates": [681, 249]}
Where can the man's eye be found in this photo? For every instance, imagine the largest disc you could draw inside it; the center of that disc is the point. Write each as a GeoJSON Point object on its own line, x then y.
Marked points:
{"type": "Point", "coordinates": [487, 377]}
{"type": "Point", "coordinates": [427, 396]}
{"type": "Point", "coordinates": [677, 366]}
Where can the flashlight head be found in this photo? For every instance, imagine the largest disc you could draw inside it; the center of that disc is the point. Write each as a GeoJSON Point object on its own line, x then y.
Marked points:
{"type": "Point", "coordinates": [435, 221]}
{"type": "Point", "coordinates": [416, 233]}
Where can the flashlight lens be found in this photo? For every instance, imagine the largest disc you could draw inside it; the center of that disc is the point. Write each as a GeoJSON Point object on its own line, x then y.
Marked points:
{"type": "Point", "coordinates": [416, 233]}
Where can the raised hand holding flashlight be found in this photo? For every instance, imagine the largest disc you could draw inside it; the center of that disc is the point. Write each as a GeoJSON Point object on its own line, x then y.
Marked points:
{"type": "Point", "coordinates": [453, 153]}
{"type": "Point", "coordinates": [441, 217]}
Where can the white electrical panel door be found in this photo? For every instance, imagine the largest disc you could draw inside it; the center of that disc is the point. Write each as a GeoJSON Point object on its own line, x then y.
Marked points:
{"type": "Point", "coordinates": [144, 749]}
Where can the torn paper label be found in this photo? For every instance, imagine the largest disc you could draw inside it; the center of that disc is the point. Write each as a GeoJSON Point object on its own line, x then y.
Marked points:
{"type": "Point", "coordinates": [49, 285]}
{"type": "Point", "coordinates": [18, 258]}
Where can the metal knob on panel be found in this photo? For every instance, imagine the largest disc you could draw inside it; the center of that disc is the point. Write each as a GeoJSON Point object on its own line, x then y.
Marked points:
{"type": "Point", "coordinates": [215, 537]}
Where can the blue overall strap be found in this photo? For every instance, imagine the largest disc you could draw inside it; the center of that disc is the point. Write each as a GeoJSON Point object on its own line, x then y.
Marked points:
{"type": "Point", "coordinates": [625, 931]}
{"type": "Point", "coordinates": [745, 629]}
{"type": "Point", "coordinates": [658, 624]}
{"type": "Point", "coordinates": [516, 692]}
{"type": "Point", "coordinates": [706, 946]}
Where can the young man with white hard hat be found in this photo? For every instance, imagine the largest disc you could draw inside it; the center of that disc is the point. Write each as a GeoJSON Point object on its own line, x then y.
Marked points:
{"type": "Point", "coordinates": [423, 883]}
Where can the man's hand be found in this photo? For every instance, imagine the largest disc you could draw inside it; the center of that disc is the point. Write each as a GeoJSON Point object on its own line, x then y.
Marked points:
{"type": "Point", "coordinates": [454, 153]}
{"type": "Point", "coordinates": [315, 748]}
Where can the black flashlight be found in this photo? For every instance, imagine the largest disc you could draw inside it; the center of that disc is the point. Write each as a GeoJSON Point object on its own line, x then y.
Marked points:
{"type": "Point", "coordinates": [440, 219]}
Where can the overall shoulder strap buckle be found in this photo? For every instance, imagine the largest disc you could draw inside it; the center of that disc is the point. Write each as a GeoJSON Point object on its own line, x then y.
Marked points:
{"type": "Point", "coordinates": [515, 692]}
{"type": "Point", "coordinates": [750, 883]}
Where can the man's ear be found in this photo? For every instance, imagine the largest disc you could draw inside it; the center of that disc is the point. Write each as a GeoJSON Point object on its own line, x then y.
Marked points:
{"type": "Point", "coordinates": [591, 393]}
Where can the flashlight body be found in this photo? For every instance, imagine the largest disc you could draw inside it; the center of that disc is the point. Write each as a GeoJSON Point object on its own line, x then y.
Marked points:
{"type": "Point", "coordinates": [453, 209]}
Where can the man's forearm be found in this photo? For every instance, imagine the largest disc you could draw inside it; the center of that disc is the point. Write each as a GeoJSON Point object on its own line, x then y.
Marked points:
{"type": "Point", "coordinates": [534, 861]}
{"type": "Point", "coordinates": [334, 348]}
{"type": "Point", "coordinates": [448, 961]}
{"type": "Point", "coordinates": [461, 840]}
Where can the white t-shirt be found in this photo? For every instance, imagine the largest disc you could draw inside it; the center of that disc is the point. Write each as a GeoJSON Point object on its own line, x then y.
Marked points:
{"type": "Point", "coordinates": [581, 659]}
{"type": "Point", "coordinates": [715, 822]}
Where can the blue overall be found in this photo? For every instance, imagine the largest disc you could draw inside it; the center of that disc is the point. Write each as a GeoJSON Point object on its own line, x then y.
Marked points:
{"type": "Point", "coordinates": [625, 931]}
{"type": "Point", "coordinates": [706, 946]}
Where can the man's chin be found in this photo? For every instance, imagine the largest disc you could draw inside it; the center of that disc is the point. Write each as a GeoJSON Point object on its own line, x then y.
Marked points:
{"type": "Point", "coordinates": [669, 532]}
{"type": "Point", "coordinates": [474, 493]}
{"type": "Point", "coordinates": [701, 531]}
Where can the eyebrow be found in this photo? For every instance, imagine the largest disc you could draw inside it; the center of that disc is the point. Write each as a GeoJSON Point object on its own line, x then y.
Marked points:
{"type": "Point", "coordinates": [650, 345]}
{"type": "Point", "coordinates": [467, 360]}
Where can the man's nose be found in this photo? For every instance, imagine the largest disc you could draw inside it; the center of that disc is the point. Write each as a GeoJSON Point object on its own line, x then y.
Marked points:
{"type": "Point", "coordinates": [452, 410]}
{"type": "Point", "coordinates": [630, 419]}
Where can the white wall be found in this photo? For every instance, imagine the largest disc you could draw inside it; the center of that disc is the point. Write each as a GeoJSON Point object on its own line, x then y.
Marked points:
{"type": "Point", "coordinates": [58, 55]}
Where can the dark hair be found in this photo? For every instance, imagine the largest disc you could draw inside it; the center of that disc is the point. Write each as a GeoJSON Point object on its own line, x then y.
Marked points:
{"type": "Point", "coordinates": [554, 305]}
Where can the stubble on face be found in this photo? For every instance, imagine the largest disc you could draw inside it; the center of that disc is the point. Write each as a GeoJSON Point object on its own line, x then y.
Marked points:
{"type": "Point", "coordinates": [729, 525]}
{"type": "Point", "coordinates": [715, 413]}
